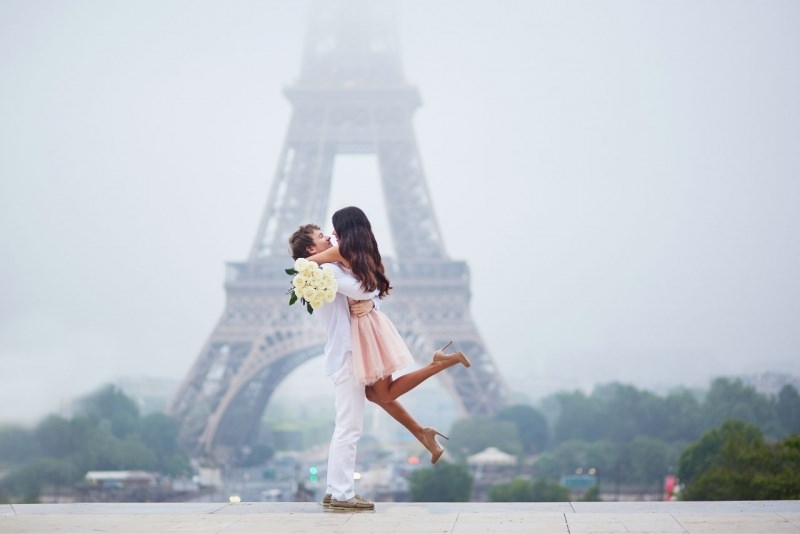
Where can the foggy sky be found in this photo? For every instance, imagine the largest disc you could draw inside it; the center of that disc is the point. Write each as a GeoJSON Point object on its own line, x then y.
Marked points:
{"type": "Point", "coordinates": [621, 177]}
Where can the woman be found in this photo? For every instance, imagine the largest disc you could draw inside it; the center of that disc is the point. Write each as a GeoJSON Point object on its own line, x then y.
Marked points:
{"type": "Point", "coordinates": [378, 349]}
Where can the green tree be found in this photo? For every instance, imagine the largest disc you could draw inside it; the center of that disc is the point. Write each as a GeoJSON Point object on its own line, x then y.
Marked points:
{"type": "Point", "coordinates": [523, 490]}
{"type": "Point", "coordinates": [703, 454]}
{"type": "Point", "coordinates": [27, 482]}
{"type": "Point", "coordinates": [111, 404]}
{"type": "Point", "coordinates": [734, 462]}
{"type": "Point", "coordinates": [614, 411]}
{"type": "Point", "coordinates": [445, 482]}
{"type": "Point", "coordinates": [531, 426]}
{"type": "Point", "coordinates": [159, 433]}
{"type": "Point", "coordinates": [577, 417]}
{"type": "Point", "coordinates": [649, 459]}
{"type": "Point", "coordinates": [548, 464]}
{"type": "Point", "coordinates": [546, 490]}
{"type": "Point", "coordinates": [562, 460]}
{"type": "Point", "coordinates": [592, 494]}
{"type": "Point", "coordinates": [107, 435]}
{"type": "Point", "coordinates": [21, 485]}
{"type": "Point", "coordinates": [626, 412]}
{"type": "Point", "coordinates": [785, 468]}
{"type": "Point", "coordinates": [17, 445]}
{"type": "Point", "coordinates": [468, 436]}
{"type": "Point", "coordinates": [683, 419]}
{"type": "Point", "coordinates": [731, 399]}
{"type": "Point", "coordinates": [601, 455]}
{"type": "Point", "coordinates": [788, 409]}
{"type": "Point", "coordinates": [55, 437]}
{"type": "Point", "coordinates": [518, 490]}
{"type": "Point", "coordinates": [102, 450]}
{"type": "Point", "coordinates": [57, 473]}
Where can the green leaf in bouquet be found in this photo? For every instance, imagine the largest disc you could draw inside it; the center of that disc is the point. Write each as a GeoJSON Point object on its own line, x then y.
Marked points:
{"type": "Point", "coordinates": [292, 298]}
{"type": "Point", "coordinates": [309, 308]}
{"type": "Point", "coordinates": [292, 271]}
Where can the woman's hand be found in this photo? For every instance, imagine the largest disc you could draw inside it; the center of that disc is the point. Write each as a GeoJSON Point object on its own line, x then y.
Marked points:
{"type": "Point", "coordinates": [360, 308]}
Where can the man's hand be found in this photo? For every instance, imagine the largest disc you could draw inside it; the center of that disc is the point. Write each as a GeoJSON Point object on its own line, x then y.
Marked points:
{"type": "Point", "coordinates": [360, 308]}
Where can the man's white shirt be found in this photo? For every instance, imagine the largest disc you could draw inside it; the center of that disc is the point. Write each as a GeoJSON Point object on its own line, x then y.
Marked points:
{"type": "Point", "coordinates": [336, 316]}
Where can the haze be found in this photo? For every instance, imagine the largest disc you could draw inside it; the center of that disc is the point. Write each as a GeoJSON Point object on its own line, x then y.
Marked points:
{"type": "Point", "coordinates": [621, 177]}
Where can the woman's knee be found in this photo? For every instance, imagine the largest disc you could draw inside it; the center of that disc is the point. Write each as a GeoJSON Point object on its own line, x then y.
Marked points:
{"type": "Point", "coordinates": [378, 397]}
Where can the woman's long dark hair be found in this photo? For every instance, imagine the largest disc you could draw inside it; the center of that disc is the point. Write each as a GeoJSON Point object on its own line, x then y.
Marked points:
{"type": "Point", "coordinates": [358, 246]}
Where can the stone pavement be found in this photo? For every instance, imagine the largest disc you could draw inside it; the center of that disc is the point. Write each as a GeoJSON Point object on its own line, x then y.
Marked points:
{"type": "Point", "coordinates": [768, 517]}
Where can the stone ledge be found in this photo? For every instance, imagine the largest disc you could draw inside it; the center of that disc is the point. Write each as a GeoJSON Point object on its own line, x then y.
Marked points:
{"type": "Point", "coordinates": [770, 517]}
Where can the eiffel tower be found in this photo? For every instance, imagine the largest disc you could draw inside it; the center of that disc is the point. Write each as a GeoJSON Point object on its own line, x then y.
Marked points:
{"type": "Point", "coordinates": [351, 98]}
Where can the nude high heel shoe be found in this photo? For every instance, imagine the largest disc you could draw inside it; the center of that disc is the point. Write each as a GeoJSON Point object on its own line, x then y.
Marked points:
{"type": "Point", "coordinates": [428, 439]}
{"type": "Point", "coordinates": [452, 358]}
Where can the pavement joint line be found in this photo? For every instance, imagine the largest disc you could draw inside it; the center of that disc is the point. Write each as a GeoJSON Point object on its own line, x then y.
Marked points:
{"type": "Point", "coordinates": [684, 530]}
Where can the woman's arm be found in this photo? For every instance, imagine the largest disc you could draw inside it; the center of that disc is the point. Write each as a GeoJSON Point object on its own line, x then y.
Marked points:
{"type": "Point", "coordinates": [349, 286]}
{"type": "Point", "coordinates": [327, 256]}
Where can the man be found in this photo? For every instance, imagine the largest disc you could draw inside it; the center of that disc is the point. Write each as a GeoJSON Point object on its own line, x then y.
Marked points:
{"type": "Point", "coordinates": [348, 392]}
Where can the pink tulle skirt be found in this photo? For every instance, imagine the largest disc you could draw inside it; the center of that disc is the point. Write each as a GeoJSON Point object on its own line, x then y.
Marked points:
{"type": "Point", "coordinates": [378, 349]}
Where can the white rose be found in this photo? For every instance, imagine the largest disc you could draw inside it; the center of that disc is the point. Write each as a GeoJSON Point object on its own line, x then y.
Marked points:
{"type": "Point", "coordinates": [300, 280]}
{"type": "Point", "coordinates": [310, 293]}
{"type": "Point", "coordinates": [300, 264]}
{"type": "Point", "coordinates": [310, 266]}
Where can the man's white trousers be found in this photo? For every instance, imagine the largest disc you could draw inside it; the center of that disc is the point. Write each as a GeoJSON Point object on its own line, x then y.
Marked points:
{"type": "Point", "coordinates": [350, 400]}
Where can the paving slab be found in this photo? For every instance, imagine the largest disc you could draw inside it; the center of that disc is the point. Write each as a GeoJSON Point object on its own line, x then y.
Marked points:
{"type": "Point", "coordinates": [741, 517]}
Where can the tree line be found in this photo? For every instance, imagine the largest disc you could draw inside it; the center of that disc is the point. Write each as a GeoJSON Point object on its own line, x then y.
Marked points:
{"type": "Point", "coordinates": [107, 433]}
{"type": "Point", "coordinates": [634, 438]}
{"type": "Point", "coordinates": [719, 439]}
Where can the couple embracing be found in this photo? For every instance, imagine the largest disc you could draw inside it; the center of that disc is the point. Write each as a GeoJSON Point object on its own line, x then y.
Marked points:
{"type": "Point", "coordinates": [363, 347]}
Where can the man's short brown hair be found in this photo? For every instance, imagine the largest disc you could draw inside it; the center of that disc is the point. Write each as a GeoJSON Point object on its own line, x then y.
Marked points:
{"type": "Point", "coordinates": [302, 240]}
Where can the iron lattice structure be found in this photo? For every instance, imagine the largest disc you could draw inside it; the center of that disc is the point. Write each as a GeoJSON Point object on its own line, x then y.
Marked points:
{"type": "Point", "coordinates": [351, 97]}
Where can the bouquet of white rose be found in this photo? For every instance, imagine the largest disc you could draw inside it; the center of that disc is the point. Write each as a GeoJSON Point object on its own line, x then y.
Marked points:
{"type": "Point", "coordinates": [311, 285]}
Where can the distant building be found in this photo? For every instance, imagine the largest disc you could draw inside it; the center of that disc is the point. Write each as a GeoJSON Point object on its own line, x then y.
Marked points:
{"type": "Point", "coordinates": [490, 467]}
{"type": "Point", "coordinates": [121, 479]}
{"type": "Point", "coordinates": [133, 486]}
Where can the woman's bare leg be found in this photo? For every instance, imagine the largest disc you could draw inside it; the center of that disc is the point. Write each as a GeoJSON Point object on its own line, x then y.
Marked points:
{"type": "Point", "coordinates": [426, 436]}
{"type": "Point", "coordinates": [398, 413]}
{"type": "Point", "coordinates": [389, 389]}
